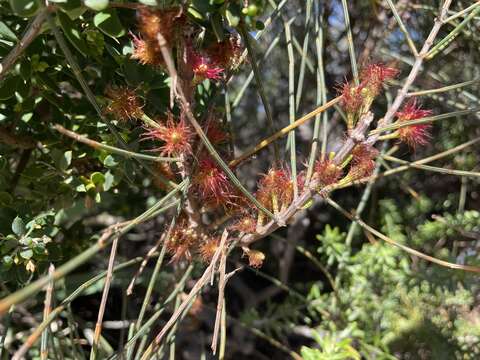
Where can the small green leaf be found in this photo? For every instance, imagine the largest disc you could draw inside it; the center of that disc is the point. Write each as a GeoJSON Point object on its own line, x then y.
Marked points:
{"type": "Point", "coordinates": [24, 8]}
{"type": "Point", "coordinates": [97, 5]}
{"type": "Point", "coordinates": [7, 261]}
{"type": "Point", "coordinates": [109, 161]}
{"type": "Point", "coordinates": [109, 180]}
{"type": "Point", "coordinates": [97, 178]}
{"type": "Point", "coordinates": [18, 226]}
{"type": "Point", "coordinates": [6, 33]}
{"type": "Point", "coordinates": [109, 23]}
{"type": "Point", "coordinates": [26, 254]}
{"type": "Point", "coordinates": [72, 33]}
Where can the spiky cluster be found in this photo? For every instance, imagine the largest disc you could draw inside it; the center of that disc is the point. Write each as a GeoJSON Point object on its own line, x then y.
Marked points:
{"type": "Point", "coordinates": [203, 66]}
{"type": "Point", "coordinates": [168, 22]}
{"type": "Point", "coordinates": [327, 172]}
{"type": "Point", "coordinates": [176, 137]}
{"type": "Point", "coordinates": [362, 163]}
{"type": "Point", "coordinates": [226, 53]}
{"type": "Point", "coordinates": [255, 257]}
{"type": "Point", "coordinates": [215, 133]}
{"type": "Point", "coordinates": [124, 103]}
{"type": "Point", "coordinates": [212, 184]}
{"type": "Point", "coordinates": [275, 189]}
{"type": "Point", "coordinates": [357, 99]}
{"type": "Point", "coordinates": [413, 135]}
{"type": "Point", "coordinates": [246, 224]}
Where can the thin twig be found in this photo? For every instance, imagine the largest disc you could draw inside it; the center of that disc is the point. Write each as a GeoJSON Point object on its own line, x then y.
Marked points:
{"type": "Point", "coordinates": [46, 311]}
{"type": "Point", "coordinates": [30, 34]}
{"type": "Point", "coordinates": [193, 292]}
{"type": "Point", "coordinates": [103, 303]}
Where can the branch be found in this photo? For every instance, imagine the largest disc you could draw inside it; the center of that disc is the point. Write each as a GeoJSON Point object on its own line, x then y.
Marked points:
{"type": "Point", "coordinates": [30, 34]}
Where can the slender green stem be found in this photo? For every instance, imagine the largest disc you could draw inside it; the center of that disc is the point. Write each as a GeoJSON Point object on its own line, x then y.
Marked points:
{"type": "Point", "coordinates": [425, 120]}
{"type": "Point", "coordinates": [403, 29]}
{"type": "Point", "coordinates": [260, 88]}
{"type": "Point", "coordinates": [462, 12]}
{"type": "Point", "coordinates": [442, 44]}
{"type": "Point", "coordinates": [304, 53]}
{"type": "Point", "coordinates": [291, 101]}
{"type": "Point", "coordinates": [114, 150]}
{"type": "Point", "coordinates": [351, 46]}
{"type": "Point", "coordinates": [433, 168]}
{"type": "Point", "coordinates": [444, 88]}
{"type": "Point", "coordinates": [321, 96]}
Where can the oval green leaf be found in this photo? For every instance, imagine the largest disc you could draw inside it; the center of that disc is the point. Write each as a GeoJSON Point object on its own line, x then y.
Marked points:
{"type": "Point", "coordinates": [25, 8]}
{"type": "Point", "coordinates": [72, 33]}
{"type": "Point", "coordinates": [109, 23]}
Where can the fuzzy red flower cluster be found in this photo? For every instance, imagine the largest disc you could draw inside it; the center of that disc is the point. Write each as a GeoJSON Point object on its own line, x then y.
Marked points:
{"type": "Point", "coordinates": [275, 189]}
{"type": "Point", "coordinates": [168, 22]}
{"type": "Point", "coordinates": [124, 103]}
{"type": "Point", "coordinates": [362, 163]}
{"type": "Point", "coordinates": [357, 99]}
{"type": "Point", "coordinates": [203, 66]}
{"type": "Point", "coordinates": [175, 135]}
{"type": "Point", "coordinates": [413, 134]}
{"type": "Point", "coordinates": [212, 184]}
{"type": "Point", "coordinates": [327, 172]}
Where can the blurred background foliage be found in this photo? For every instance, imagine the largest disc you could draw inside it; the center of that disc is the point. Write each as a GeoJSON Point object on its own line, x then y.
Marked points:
{"type": "Point", "coordinates": [327, 290]}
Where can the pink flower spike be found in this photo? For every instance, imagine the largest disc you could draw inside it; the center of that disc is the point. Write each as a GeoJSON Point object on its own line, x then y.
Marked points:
{"type": "Point", "coordinates": [414, 134]}
{"type": "Point", "coordinates": [203, 67]}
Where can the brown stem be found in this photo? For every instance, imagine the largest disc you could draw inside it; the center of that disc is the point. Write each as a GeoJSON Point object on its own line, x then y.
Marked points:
{"type": "Point", "coordinates": [30, 34]}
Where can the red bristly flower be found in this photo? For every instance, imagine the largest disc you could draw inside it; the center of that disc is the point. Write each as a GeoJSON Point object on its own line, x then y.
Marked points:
{"type": "Point", "coordinates": [166, 22]}
{"type": "Point", "coordinates": [208, 249]}
{"type": "Point", "coordinates": [374, 75]}
{"type": "Point", "coordinates": [246, 224]}
{"type": "Point", "coordinates": [177, 137]}
{"type": "Point", "coordinates": [226, 53]}
{"type": "Point", "coordinates": [124, 103]}
{"type": "Point", "coordinates": [182, 240]}
{"type": "Point", "coordinates": [203, 67]}
{"type": "Point", "coordinates": [146, 52]}
{"type": "Point", "coordinates": [352, 99]}
{"type": "Point", "coordinates": [328, 172]}
{"type": "Point", "coordinates": [215, 133]}
{"type": "Point", "coordinates": [212, 184]}
{"type": "Point", "coordinates": [413, 134]}
{"type": "Point", "coordinates": [275, 189]}
{"type": "Point", "coordinates": [362, 163]}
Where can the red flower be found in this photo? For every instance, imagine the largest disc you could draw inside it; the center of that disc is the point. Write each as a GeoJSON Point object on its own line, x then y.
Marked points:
{"type": "Point", "coordinates": [247, 224]}
{"type": "Point", "coordinates": [226, 53]}
{"type": "Point", "coordinates": [352, 99]}
{"type": "Point", "coordinates": [213, 184]}
{"type": "Point", "coordinates": [374, 75]}
{"type": "Point", "coordinates": [182, 240]}
{"type": "Point", "coordinates": [124, 103]}
{"type": "Point", "coordinates": [208, 249]}
{"type": "Point", "coordinates": [215, 133]}
{"type": "Point", "coordinates": [177, 137]}
{"type": "Point", "coordinates": [275, 189]}
{"type": "Point", "coordinates": [363, 162]}
{"type": "Point", "coordinates": [146, 52]}
{"type": "Point", "coordinates": [327, 172]}
{"type": "Point", "coordinates": [413, 134]}
{"type": "Point", "coordinates": [203, 67]}
{"type": "Point", "coordinates": [166, 22]}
